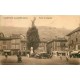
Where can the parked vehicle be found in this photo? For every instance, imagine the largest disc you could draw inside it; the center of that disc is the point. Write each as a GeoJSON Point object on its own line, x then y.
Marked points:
{"type": "Point", "coordinates": [7, 51]}
{"type": "Point", "coordinates": [19, 59]}
{"type": "Point", "coordinates": [75, 54]}
{"type": "Point", "coordinates": [43, 55]}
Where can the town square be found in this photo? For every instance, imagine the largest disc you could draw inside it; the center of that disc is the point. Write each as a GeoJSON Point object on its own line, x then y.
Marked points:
{"type": "Point", "coordinates": [44, 41]}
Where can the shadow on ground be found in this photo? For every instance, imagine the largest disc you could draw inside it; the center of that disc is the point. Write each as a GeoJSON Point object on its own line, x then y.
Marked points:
{"type": "Point", "coordinates": [10, 62]}
{"type": "Point", "coordinates": [33, 61]}
{"type": "Point", "coordinates": [74, 61]}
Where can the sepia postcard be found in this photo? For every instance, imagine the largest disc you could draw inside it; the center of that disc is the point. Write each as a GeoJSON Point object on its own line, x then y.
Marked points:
{"type": "Point", "coordinates": [39, 40]}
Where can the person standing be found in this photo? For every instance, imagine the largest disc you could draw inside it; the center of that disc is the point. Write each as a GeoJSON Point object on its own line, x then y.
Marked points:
{"type": "Point", "coordinates": [19, 57]}
{"type": "Point", "coordinates": [60, 56]}
{"type": "Point", "coordinates": [6, 55]}
{"type": "Point", "coordinates": [67, 58]}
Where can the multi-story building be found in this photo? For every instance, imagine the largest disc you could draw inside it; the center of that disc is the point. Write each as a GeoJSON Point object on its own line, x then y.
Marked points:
{"type": "Point", "coordinates": [57, 44]}
{"type": "Point", "coordinates": [5, 44]}
{"type": "Point", "coordinates": [23, 46]}
{"type": "Point", "coordinates": [18, 43]}
{"type": "Point", "coordinates": [12, 44]}
{"type": "Point", "coordinates": [1, 42]}
{"type": "Point", "coordinates": [74, 39]}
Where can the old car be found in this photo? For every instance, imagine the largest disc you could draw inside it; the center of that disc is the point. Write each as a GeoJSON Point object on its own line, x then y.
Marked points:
{"type": "Point", "coordinates": [43, 55]}
{"type": "Point", "coordinates": [75, 54]}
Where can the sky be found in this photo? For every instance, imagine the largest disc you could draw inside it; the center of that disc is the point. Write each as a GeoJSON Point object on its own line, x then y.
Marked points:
{"type": "Point", "coordinates": [63, 21]}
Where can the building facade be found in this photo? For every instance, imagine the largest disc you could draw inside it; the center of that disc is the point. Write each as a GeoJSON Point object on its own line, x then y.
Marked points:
{"type": "Point", "coordinates": [74, 39]}
{"type": "Point", "coordinates": [5, 45]}
{"type": "Point", "coordinates": [58, 45]}
{"type": "Point", "coordinates": [17, 42]}
{"type": "Point", "coordinates": [13, 44]}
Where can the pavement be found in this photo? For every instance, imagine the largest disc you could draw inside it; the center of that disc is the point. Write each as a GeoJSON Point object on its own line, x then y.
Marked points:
{"type": "Point", "coordinates": [12, 60]}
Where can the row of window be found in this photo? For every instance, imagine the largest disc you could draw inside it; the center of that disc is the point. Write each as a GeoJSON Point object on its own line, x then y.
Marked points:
{"type": "Point", "coordinates": [76, 33]}
{"type": "Point", "coordinates": [12, 41]}
{"type": "Point", "coordinates": [12, 47]}
{"type": "Point", "coordinates": [72, 41]}
{"type": "Point", "coordinates": [8, 42]}
{"type": "Point", "coordinates": [75, 47]}
{"type": "Point", "coordinates": [61, 44]}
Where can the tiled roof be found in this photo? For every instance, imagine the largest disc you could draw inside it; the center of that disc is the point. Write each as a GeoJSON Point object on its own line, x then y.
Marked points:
{"type": "Point", "coordinates": [58, 39]}
{"type": "Point", "coordinates": [5, 38]}
{"type": "Point", "coordinates": [15, 36]}
{"type": "Point", "coordinates": [77, 29]}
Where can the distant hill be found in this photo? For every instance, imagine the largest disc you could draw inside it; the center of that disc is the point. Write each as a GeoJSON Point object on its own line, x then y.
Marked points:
{"type": "Point", "coordinates": [44, 31]}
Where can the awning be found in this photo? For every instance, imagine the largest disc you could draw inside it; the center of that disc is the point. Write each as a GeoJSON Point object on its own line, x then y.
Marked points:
{"type": "Point", "coordinates": [7, 50]}
{"type": "Point", "coordinates": [75, 52]}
